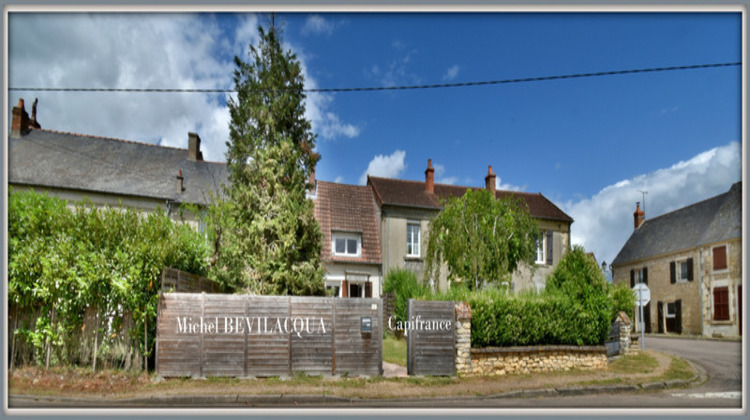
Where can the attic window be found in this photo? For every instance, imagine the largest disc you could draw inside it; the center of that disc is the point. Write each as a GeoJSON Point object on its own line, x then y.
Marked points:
{"type": "Point", "coordinates": [347, 244]}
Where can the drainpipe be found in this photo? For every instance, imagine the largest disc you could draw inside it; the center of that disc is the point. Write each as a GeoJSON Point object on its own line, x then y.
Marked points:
{"type": "Point", "coordinates": [387, 242]}
{"type": "Point", "coordinates": [700, 284]}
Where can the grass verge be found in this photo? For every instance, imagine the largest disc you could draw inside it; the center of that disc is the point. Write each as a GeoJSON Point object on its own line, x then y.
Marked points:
{"type": "Point", "coordinates": [394, 350]}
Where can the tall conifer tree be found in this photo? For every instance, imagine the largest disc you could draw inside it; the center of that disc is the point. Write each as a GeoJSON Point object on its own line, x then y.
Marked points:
{"type": "Point", "coordinates": [272, 244]}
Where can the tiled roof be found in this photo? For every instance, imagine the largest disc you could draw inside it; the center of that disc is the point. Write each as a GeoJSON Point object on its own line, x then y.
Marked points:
{"type": "Point", "coordinates": [397, 192]}
{"type": "Point", "coordinates": [712, 220]}
{"type": "Point", "coordinates": [73, 161]}
{"type": "Point", "coordinates": [348, 208]}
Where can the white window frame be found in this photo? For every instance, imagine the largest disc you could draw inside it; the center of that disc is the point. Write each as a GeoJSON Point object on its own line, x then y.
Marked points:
{"type": "Point", "coordinates": [678, 273]}
{"type": "Point", "coordinates": [346, 237]}
{"type": "Point", "coordinates": [638, 275]}
{"type": "Point", "coordinates": [409, 239]}
{"type": "Point", "coordinates": [541, 246]}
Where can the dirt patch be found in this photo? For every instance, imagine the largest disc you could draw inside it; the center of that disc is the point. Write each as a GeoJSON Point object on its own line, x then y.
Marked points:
{"type": "Point", "coordinates": [83, 383]}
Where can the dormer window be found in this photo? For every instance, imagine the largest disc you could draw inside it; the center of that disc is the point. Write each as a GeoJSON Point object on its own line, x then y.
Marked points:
{"type": "Point", "coordinates": [347, 244]}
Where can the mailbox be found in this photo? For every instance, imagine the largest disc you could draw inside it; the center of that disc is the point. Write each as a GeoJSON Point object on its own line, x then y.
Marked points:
{"type": "Point", "coordinates": [366, 324]}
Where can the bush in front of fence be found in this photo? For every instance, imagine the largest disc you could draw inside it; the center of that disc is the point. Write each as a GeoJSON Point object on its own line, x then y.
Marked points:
{"type": "Point", "coordinates": [405, 285]}
{"type": "Point", "coordinates": [575, 308]}
{"type": "Point", "coordinates": [89, 275]}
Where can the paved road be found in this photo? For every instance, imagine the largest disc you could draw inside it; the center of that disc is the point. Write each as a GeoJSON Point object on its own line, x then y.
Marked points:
{"type": "Point", "coordinates": [719, 361]}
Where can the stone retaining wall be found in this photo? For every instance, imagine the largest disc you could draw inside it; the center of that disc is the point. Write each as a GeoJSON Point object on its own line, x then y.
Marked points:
{"type": "Point", "coordinates": [492, 361]}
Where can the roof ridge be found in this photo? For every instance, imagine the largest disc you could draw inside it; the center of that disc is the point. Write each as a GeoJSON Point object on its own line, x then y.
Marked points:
{"type": "Point", "coordinates": [688, 206]}
{"type": "Point", "coordinates": [140, 143]}
{"type": "Point", "coordinates": [451, 185]}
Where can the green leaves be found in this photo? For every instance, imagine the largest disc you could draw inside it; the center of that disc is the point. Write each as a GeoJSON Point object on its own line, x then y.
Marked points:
{"type": "Point", "coordinates": [64, 261]}
{"type": "Point", "coordinates": [482, 240]}
{"type": "Point", "coordinates": [265, 236]}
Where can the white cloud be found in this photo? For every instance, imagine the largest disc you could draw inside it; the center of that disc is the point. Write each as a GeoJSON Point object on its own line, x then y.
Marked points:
{"type": "Point", "coordinates": [604, 222]}
{"type": "Point", "coordinates": [396, 72]}
{"type": "Point", "coordinates": [390, 166]}
{"type": "Point", "coordinates": [451, 73]}
{"type": "Point", "coordinates": [339, 180]}
{"type": "Point", "coordinates": [507, 187]}
{"type": "Point", "coordinates": [317, 25]}
{"type": "Point", "coordinates": [140, 51]}
{"type": "Point", "coordinates": [440, 177]}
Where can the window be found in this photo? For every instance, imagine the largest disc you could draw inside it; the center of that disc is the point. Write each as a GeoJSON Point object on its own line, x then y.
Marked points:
{"type": "Point", "coordinates": [682, 271]}
{"type": "Point", "coordinates": [638, 275]}
{"type": "Point", "coordinates": [347, 244]}
{"type": "Point", "coordinates": [721, 303]}
{"type": "Point", "coordinates": [720, 258]}
{"type": "Point", "coordinates": [670, 310]}
{"type": "Point", "coordinates": [412, 239]}
{"type": "Point", "coordinates": [540, 249]}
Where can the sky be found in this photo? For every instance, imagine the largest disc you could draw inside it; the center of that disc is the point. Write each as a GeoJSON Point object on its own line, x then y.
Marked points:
{"type": "Point", "coordinates": [591, 145]}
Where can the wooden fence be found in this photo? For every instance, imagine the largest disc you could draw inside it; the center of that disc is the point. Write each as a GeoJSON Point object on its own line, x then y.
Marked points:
{"type": "Point", "coordinates": [431, 339]}
{"type": "Point", "coordinates": [201, 335]}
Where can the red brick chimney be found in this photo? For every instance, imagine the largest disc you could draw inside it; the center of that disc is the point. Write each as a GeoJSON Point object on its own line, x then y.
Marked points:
{"type": "Point", "coordinates": [638, 216]}
{"type": "Point", "coordinates": [194, 147]}
{"type": "Point", "coordinates": [489, 180]}
{"type": "Point", "coordinates": [20, 123]}
{"type": "Point", "coordinates": [429, 178]}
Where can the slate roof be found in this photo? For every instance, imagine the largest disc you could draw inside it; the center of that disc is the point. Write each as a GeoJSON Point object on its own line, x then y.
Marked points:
{"type": "Point", "coordinates": [104, 165]}
{"type": "Point", "coordinates": [712, 220]}
{"type": "Point", "coordinates": [347, 208]}
{"type": "Point", "coordinates": [397, 192]}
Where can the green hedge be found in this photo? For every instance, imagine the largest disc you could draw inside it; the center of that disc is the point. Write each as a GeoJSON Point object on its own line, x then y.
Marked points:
{"type": "Point", "coordinates": [575, 309]}
{"type": "Point", "coordinates": [62, 261]}
{"type": "Point", "coordinates": [405, 285]}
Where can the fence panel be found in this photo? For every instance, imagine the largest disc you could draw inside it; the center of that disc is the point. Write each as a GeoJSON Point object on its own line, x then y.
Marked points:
{"type": "Point", "coordinates": [203, 335]}
{"type": "Point", "coordinates": [431, 348]}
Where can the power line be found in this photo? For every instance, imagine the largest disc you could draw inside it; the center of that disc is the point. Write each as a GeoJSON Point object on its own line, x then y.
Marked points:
{"type": "Point", "coordinates": [385, 88]}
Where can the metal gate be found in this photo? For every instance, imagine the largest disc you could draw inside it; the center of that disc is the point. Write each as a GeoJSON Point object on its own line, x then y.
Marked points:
{"type": "Point", "coordinates": [431, 338]}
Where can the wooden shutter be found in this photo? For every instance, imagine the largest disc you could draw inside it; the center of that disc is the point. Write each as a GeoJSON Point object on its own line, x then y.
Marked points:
{"type": "Point", "coordinates": [368, 290]}
{"type": "Point", "coordinates": [550, 259]}
{"type": "Point", "coordinates": [632, 278]}
{"type": "Point", "coordinates": [645, 275]}
{"type": "Point", "coordinates": [672, 273]}
{"type": "Point", "coordinates": [647, 317]}
{"type": "Point", "coordinates": [720, 258]}
{"type": "Point", "coordinates": [721, 303]}
{"type": "Point", "coordinates": [690, 269]}
{"type": "Point", "coordinates": [345, 288]}
{"type": "Point", "coordinates": [660, 308]}
{"type": "Point", "coordinates": [678, 316]}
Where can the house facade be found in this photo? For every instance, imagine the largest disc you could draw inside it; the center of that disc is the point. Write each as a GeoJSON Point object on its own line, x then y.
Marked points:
{"type": "Point", "coordinates": [691, 260]}
{"type": "Point", "coordinates": [405, 208]}
{"type": "Point", "coordinates": [351, 244]}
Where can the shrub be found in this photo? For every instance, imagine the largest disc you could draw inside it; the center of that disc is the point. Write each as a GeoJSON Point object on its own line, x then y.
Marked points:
{"type": "Point", "coordinates": [405, 285]}
{"type": "Point", "coordinates": [623, 300]}
{"type": "Point", "coordinates": [61, 262]}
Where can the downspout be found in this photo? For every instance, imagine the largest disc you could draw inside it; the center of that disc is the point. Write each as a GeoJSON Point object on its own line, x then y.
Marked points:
{"type": "Point", "coordinates": [700, 284]}
{"type": "Point", "coordinates": [169, 208]}
{"type": "Point", "coordinates": [387, 242]}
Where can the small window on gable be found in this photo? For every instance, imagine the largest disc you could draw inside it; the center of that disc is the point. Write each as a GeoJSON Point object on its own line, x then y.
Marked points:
{"type": "Point", "coordinates": [720, 258]}
{"type": "Point", "coordinates": [682, 270]}
{"type": "Point", "coordinates": [347, 244]}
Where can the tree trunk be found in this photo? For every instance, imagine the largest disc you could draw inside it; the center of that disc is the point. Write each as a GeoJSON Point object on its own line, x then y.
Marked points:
{"type": "Point", "coordinates": [49, 343]}
{"type": "Point", "coordinates": [145, 342]}
{"type": "Point", "coordinates": [96, 339]}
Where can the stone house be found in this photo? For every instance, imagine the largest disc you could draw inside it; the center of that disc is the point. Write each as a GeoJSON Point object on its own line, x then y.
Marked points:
{"type": "Point", "coordinates": [405, 208]}
{"type": "Point", "coordinates": [691, 260]}
{"type": "Point", "coordinates": [109, 172]}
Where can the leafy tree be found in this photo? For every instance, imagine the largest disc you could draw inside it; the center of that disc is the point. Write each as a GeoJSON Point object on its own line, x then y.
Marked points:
{"type": "Point", "coordinates": [481, 239]}
{"type": "Point", "coordinates": [270, 243]}
{"type": "Point", "coordinates": [623, 300]}
{"type": "Point", "coordinates": [405, 285]}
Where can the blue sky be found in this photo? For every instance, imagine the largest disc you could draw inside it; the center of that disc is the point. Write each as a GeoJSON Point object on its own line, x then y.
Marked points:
{"type": "Point", "coordinates": [588, 144]}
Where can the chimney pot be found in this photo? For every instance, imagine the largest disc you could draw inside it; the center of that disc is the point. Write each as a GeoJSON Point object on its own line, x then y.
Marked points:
{"type": "Point", "coordinates": [194, 147]}
{"type": "Point", "coordinates": [638, 216]}
{"type": "Point", "coordinates": [489, 181]}
{"type": "Point", "coordinates": [429, 178]}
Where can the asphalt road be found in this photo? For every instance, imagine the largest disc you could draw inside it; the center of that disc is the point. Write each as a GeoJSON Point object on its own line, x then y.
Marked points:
{"type": "Point", "coordinates": [720, 364]}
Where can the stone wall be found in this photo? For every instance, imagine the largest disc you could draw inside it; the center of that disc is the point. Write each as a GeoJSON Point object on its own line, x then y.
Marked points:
{"type": "Point", "coordinates": [463, 337]}
{"type": "Point", "coordinates": [494, 361]}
